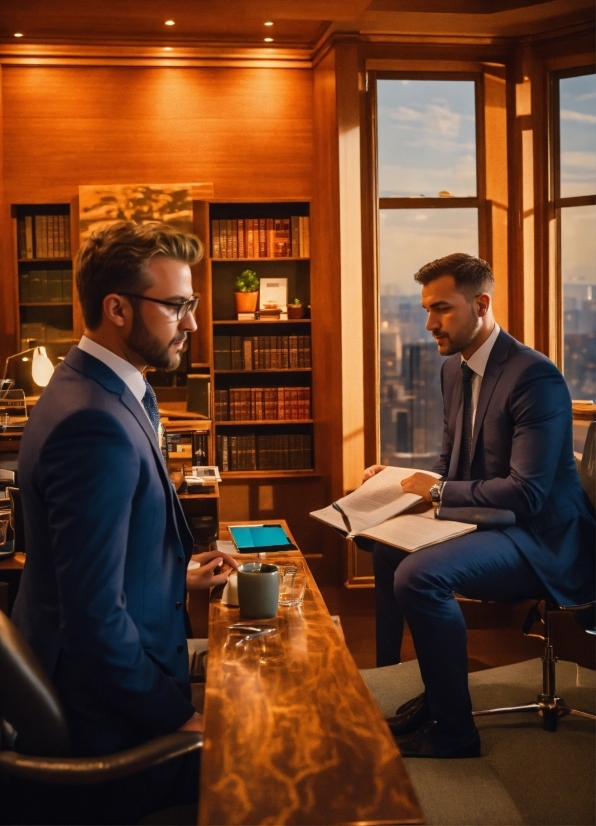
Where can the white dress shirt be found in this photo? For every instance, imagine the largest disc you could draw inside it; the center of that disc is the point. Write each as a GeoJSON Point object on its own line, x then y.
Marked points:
{"type": "Point", "coordinates": [123, 369]}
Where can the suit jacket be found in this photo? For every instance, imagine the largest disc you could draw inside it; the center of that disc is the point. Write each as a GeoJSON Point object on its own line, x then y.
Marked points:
{"type": "Point", "coordinates": [522, 460]}
{"type": "Point", "coordinates": [102, 595]}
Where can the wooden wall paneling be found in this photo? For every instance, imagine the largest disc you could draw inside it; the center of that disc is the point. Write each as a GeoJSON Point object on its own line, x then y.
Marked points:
{"type": "Point", "coordinates": [201, 344]}
{"type": "Point", "coordinates": [247, 130]}
{"type": "Point", "coordinates": [350, 199]}
{"type": "Point", "coordinates": [543, 299]}
{"type": "Point", "coordinates": [326, 296]}
{"type": "Point", "coordinates": [370, 266]}
{"type": "Point", "coordinates": [8, 274]}
{"type": "Point", "coordinates": [494, 102]}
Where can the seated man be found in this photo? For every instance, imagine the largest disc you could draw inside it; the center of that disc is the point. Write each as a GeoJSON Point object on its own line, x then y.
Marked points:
{"type": "Point", "coordinates": [507, 443]}
{"type": "Point", "coordinates": [102, 597]}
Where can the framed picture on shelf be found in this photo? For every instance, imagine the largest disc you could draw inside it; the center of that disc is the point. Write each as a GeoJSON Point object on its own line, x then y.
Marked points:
{"type": "Point", "coordinates": [273, 292]}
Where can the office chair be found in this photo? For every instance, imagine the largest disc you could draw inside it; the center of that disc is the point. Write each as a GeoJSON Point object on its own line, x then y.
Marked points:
{"type": "Point", "coordinates": [17, 519]}
{"type": "Point", "coordinates": [548, 704]}
{"type": "Point", "coordinates": [34, 739]}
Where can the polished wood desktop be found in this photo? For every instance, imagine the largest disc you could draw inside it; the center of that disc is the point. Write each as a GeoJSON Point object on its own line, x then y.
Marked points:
{"type": "Point", "coordinates": [292, 734]}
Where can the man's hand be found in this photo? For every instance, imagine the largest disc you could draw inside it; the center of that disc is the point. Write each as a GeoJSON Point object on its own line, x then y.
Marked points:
{"type": "Point", "coordinates": [419, 483]}
{"type": "Point", "coordinates": [370, 472]}
{"type": "Point", "coordinates": [206, 576]}
{"type": "Point", "coordinates": [194, 724]}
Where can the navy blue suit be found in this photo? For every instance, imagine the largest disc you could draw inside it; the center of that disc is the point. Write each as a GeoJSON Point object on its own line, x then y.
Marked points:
{"type": "Point", "coordinates": [522, 460]}
{"type": "Point", "coordinates": [102, 595]}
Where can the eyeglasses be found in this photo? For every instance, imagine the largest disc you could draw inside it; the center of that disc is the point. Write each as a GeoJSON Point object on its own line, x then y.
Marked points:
{"type": "Point", "coordinates": [183, 308]}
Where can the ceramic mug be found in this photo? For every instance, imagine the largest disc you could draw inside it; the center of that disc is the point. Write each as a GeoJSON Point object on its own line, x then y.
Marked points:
{"type": "Point", "coordinates": [258, 590]}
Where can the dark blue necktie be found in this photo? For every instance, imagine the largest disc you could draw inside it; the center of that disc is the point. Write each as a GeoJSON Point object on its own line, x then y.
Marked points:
{"type": "Point", "coordinates": [465, 450]}
{"type": "Point", "coordinates": [150, 404]}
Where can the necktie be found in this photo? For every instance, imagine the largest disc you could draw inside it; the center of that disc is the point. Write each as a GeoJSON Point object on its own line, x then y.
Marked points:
{"type": "Point", "coordinates": [465, 450]}
{"type": "Point", "coordinates": [149, 402]}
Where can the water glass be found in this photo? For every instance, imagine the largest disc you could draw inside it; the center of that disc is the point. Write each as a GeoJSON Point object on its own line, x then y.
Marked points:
{"type": "Point", "coordinates": [292, 584]}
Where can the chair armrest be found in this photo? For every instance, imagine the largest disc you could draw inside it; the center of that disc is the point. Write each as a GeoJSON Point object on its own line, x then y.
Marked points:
{"type": "Point", "coordinates": [484, 518]}
{"type": "Point", "coordinates": [74, 771]}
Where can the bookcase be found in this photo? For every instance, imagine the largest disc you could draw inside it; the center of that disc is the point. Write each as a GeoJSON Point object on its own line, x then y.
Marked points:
{"type": "Point", "coordinates": [261, 369]}
{"type": "Point", "coordinates": [44, 276]}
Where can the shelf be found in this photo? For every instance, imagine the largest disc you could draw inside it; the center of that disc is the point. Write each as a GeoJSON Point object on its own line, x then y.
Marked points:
{"type": "Point", "coordinates": [45, 304]}
{"type": "Point", "coordinates": [262, 370]}
{"type": "Point", "coordinates": [246, 422]}
{"type": "Point", "coordinates": [268, 474]}
{"type": "Point", "coordinates": [221, 322]}
{"type": "Point", "coordinates": [44, 260]}
{"type": "Point", "coordinates": [263, 258]}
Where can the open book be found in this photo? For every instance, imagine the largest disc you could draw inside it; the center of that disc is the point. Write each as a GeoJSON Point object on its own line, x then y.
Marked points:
{"type": "Point", "coordinates": [376, 510]}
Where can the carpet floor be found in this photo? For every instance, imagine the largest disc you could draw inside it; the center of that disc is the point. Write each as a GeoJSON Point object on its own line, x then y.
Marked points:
{"type": "Point", "coordinates": [525, 775]}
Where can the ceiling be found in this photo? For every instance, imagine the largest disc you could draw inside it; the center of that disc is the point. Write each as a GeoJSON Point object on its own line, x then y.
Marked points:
{"type": "Point", "coordinates": [296, 23]}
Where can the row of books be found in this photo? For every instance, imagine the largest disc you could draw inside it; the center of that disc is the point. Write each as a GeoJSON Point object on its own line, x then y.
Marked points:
{"type": "Point", "coordinates": [45, 286]}
{"type": "Point", "coordinates": [241, 404]}
{"type": "Point", "coordinates": [261, 237]}
{"type": "Point", "coordinates": [261, 352]}
{"type": "Point", "coordinates": [44, 236]}
{"type": "Point", "coordinates": [45, 333]}
{"type": "Point", "coordinates": [252, 452]}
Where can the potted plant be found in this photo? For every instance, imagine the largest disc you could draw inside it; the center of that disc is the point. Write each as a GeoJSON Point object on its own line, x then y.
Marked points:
{"type": "Point", "coordinates": [295, 309]}
{"type": "Point", "coordinates": [247, 292]}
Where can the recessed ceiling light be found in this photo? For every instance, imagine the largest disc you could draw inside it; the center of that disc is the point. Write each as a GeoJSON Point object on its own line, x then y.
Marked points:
{"type": "Point", "coordinates": [170, 23]}
{"type": "Point", "coordinates": [18, 34]}
{"type": "Point", "coordinates": [269, 23]}
{"type": "Point", "coordinates": [268, 40]}
{"type": "Point", "coordinates": [167, 48]}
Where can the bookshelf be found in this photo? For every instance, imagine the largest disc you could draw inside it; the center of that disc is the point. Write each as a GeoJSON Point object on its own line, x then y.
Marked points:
{"type": "Point", "coordinates": [261, 369]}
{"type": "Point", "coordinates": [44, 279]}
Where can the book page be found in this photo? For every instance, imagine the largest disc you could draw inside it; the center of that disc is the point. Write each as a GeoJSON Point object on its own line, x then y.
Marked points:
{"type": "Point", "coordinates": [411, 532]}
{"type": "Point", "coordinates": [377, 500]}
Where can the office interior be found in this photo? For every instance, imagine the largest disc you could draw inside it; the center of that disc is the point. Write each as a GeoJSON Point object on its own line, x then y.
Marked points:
{"type": "Point", "coordinates": [294, 108]}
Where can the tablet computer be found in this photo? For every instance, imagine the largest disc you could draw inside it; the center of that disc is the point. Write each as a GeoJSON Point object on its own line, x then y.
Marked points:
{"type": "Point", "coordinates": [260, 539]}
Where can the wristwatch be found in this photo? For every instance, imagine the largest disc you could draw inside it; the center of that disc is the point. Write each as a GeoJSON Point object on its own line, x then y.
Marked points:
{"type": "Point", "coordinates": [435, 494]}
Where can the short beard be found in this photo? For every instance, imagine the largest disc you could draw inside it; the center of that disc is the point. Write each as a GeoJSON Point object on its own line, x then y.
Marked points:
{"type": "Point", "coordinates": [148, 347]}
{"type": "Point", "coordinates": [463, 339]}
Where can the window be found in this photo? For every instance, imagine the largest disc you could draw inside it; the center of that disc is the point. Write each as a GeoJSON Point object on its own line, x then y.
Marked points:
{"type": "Point", "coordinates": [574, 200]}
{"type": "Point", "coordinates": [429, 204]}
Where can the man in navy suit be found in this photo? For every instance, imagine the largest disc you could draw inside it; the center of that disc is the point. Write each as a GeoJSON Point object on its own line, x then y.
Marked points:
{"type": "Point", "coordinates": [508, 446]}
{"type": "Point", "coordinates": [102, 596]}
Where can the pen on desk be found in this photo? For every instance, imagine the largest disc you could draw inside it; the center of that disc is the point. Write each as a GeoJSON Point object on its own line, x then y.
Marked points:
{"type": "Point", "coordinates": [340, 510]}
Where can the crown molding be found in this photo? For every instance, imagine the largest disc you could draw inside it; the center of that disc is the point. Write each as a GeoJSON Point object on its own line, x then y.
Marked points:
{"type": "Point", "coordinates": [119, 54]}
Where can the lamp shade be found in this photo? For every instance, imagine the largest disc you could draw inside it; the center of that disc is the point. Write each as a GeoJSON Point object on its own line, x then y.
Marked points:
{"type": "Point", "coordinates": [41, 367]}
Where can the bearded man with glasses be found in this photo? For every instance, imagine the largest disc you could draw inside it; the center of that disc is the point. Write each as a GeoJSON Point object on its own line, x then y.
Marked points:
{"type": "Point", "coordinates": [102, 597]}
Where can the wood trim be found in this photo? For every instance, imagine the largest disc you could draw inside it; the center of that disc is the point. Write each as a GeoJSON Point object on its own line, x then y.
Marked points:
{"type": "Point", "coordinates": [577, 200]}
{"type": "Point", "coordinates": [428, 203]}
{"type": "Point", "coordinates": [370, 271]}
{"type": "Point", "coordinates": [118, 54]}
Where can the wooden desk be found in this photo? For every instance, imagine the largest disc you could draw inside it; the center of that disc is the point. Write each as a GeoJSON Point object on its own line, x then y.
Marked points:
{"type": "Point", "coordinates": [292, 733]}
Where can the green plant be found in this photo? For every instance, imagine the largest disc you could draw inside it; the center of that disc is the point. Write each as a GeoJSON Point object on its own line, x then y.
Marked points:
{"type": "Point", "coordinates": [247, 282]}
{"type": "Point", "coordinates": [297, 303]}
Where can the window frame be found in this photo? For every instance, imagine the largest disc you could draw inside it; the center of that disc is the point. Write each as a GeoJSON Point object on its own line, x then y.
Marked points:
{"type": "Point", "coordinates": [556, 204]}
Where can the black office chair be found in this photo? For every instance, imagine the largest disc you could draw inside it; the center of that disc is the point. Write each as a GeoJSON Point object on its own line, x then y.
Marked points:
{"type": "Point", "coordinates": [548, 704]}
{"type": "Point", "coordinates": [34, 739]}
{"type": "Point", "coordinates": [17, 519]}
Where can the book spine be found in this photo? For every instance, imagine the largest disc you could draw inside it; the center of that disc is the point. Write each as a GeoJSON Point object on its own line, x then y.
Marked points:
{"type": "Point", "coordinates": [306, 238]}
{"type": "Point", "coordinates": [262, 238]}
{"type": "Point", "coordinates": [215, 240]}
{"type": "Point", "coordinates": [241, 239]}
{"type": "Point", "coordinates": [236, 352]}
{"type": "Point", "coordinates": [247, 353]}
{"type": "Point", "coordinates": [295, 236]}
{"type": "Point", "coordinates": [38, 242]}
{"type": "Point", "coordinates": [24, 288]}
{"type": "Point", "coordinates": [28, 236]}
{"type": "Point", "coordinates": [229, 238]}
{"type": "Point", "coordinates": [223, 239]}
{"type": "Point", "coordinates": [270, 233]}
{"type": "Point", "coordinates": [234, 238]}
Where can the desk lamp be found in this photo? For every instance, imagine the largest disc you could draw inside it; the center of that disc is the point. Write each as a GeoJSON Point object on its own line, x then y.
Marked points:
{"type": "Point", "coordinates": [41, 367]}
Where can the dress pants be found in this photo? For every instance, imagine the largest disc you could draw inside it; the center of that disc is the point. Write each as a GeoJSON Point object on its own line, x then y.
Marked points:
{"type": "Point", "coordinates": [420, 587]}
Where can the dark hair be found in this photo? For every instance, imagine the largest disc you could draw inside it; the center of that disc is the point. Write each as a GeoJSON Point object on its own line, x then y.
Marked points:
{"type": "Point", "coordinates": [115, 259]}
{"type": "Point", "coordinates": [472, 276]}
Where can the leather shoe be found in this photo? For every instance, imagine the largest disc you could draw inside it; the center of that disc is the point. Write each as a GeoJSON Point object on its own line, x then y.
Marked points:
{"type": "Point", "coordinates": [428, 742]}
{"type": "Point", "coordinates": [410, 716]}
